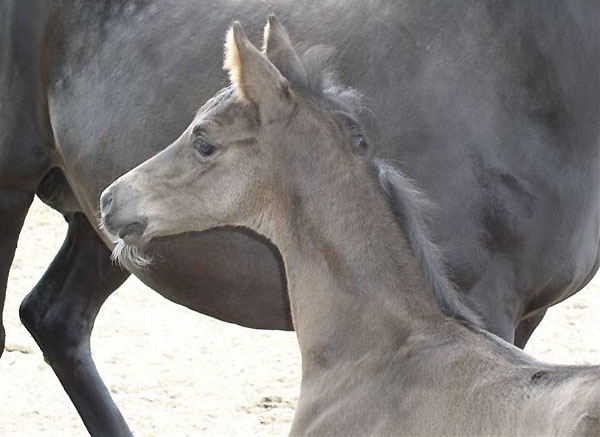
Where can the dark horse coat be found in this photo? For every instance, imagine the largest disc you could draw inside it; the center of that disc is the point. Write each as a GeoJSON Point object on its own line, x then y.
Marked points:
{"type": "Point", "coordinates": [491, 107]}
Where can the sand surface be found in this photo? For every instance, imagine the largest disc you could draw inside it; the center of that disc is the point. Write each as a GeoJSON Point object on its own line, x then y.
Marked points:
{"type": "Point", "coordinates": [174, 372]}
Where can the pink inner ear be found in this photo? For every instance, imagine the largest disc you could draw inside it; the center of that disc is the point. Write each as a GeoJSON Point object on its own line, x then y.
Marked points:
{"type": "Point", "coordinates": [232, 62]}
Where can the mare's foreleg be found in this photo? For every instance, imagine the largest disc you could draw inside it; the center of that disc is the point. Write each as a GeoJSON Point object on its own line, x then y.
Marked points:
{"type": "Point", "coordinates": [14, 205]}
{"type": "Point", "coordinates": [60, 313]}
{"type": "Point", "coordinates": [25, 134]}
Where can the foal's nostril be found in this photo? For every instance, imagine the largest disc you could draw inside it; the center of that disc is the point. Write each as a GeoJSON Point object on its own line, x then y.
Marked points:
{"type": "Point", "coordinates": [106, 201]}
{"type": "Point", "coordinates": [132, 231]}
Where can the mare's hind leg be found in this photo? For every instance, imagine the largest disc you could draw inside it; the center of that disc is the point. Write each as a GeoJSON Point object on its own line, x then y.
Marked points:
{"type": "Point", "coordinates": [60, 313]}
{"type": "Point", "coordinates": [13, 209]}
{"type": "Point", "coordinates": [526, 327]}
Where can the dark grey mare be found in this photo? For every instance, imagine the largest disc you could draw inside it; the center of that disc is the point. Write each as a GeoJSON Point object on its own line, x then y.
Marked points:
{"type": "Point", "coordinates": [492, 107]}
{"type": "Point", "coordinates": [275, 152]}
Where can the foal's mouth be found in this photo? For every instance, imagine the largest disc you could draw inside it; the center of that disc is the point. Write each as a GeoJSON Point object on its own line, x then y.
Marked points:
{"type": "Point", "coordinates": [133, 233]}
{"type": "Point", "coordinates": [130, 241]}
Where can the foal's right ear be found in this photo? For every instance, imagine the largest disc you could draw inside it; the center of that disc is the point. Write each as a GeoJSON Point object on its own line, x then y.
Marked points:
{"type": "Point", "coordinates": [253, 76]}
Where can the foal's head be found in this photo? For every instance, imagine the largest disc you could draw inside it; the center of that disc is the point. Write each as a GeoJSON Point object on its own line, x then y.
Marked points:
{"type": "Point", "coordinates": [241, 159]}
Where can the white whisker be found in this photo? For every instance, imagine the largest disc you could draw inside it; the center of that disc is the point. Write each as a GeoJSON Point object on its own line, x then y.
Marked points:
{"type": "Point", "coordinates": [123, 253]}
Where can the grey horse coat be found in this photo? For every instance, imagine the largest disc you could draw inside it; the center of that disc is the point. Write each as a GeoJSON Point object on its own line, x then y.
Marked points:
{"type": "Point", "coordinates": [276, 153]}
{"type": "Point", "coordinates": [492, 108]}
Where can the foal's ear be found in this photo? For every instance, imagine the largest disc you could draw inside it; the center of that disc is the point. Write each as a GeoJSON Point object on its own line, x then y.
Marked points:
{"type": "Point", "coordinates": [279, 50]}
{"type": "Point", "coordinates": [252, 75]}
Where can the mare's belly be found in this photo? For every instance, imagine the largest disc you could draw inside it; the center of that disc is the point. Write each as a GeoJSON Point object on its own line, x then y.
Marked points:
{"type": "Point", "coordinates": [232, 275]}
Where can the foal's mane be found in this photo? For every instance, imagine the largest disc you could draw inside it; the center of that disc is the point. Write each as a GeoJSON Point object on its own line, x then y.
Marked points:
{"type": "Point", "coordinates": [411, 207]}
{"type": "Point", "coordinates": [409, 204]}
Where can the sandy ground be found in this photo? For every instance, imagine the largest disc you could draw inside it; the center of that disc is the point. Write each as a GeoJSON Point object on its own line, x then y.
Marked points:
{"type": "Point", "coordinates": [174, 372]}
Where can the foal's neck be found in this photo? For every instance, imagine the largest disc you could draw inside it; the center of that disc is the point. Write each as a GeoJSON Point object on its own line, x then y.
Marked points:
{"type": "Point", "coordinates": [354, 283]}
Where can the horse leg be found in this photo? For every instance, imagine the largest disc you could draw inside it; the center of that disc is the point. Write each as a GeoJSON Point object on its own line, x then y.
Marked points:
{"type": "Point", "coordinates": [60, 313]}
{"type": "Point", "coordinates": [13, 209]}
{"type": "Point", "coordinates": [526, 327]}
{"type": "Point", "coordinates": [25, 134]}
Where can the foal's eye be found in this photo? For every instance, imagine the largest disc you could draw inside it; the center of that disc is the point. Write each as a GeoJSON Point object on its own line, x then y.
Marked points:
{"type": "Point", "coordinates": [203, 147]}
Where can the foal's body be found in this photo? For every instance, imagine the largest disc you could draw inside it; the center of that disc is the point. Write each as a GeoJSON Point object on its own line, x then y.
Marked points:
{"type": "Point", "coordinates": [378, 357]}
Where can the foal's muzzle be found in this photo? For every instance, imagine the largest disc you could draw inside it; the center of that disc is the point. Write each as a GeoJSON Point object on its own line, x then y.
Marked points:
{"type": "Point", "coordinates": [117, 219]}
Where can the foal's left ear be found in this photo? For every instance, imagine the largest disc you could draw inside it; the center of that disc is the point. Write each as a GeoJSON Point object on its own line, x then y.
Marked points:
{"type": "Point", "coordinates": [281, 53]}
{"type": "Point", "coordinates": [253, 76]}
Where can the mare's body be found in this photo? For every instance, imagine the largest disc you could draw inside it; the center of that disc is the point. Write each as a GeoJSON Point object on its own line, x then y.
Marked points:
{"type": "Point", "coordinates": [279, 155]}
{"type": "Point", "coordinates": [492, 108]}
